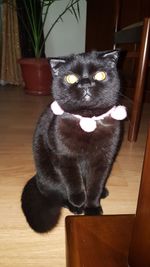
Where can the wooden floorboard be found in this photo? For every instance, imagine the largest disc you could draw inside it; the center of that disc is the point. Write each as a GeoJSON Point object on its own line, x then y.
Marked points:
{"type": "Point", "coordinates": [19, 245]}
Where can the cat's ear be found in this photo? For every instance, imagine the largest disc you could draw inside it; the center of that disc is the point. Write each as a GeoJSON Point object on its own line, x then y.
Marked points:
{"type": "Point", "coordinates": [55, 64]}
{"type": "Point", "coordinates": [112, 56]}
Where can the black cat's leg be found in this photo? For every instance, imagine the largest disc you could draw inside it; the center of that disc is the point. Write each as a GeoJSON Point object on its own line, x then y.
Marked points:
{"type": "Point", "coordinates": [96, 190]}
{"type": "Point", "coordinates": [76, 194]}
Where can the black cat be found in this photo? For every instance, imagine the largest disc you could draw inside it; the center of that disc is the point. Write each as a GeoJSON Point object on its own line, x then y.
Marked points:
{"type": "Point", "coordinates": [76, 139]}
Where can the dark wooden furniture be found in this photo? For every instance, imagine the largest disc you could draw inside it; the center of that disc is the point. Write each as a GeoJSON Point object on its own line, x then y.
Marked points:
{"type": "Point", "coordinates": [113, 240]}
{"type": "Point", "coordinates": [137, 34]}
{"type": "Point", "coordinates": [140, 244]}
{"type": "Point", "coordinates": [104, 19]}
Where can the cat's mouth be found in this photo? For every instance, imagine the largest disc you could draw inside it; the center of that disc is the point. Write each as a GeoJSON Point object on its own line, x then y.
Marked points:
{"type": "Point", "coordinates": [87, 97]}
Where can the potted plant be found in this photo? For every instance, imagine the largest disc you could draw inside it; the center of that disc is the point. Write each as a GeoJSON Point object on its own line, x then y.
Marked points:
{"type": "Point", "coordinates": [36, 71]}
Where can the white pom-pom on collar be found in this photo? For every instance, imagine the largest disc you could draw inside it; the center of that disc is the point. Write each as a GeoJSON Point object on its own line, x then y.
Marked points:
{"type": "Point", "coordinates": [88, 125]}
{"type": "Point", "coordinates": [119, 113]}
{"type": "Point", "coordinates": [57, 110]}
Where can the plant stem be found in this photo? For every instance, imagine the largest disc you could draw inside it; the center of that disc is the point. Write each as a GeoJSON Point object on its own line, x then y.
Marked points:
{"type": "Point", "coordinates": [59, 17]}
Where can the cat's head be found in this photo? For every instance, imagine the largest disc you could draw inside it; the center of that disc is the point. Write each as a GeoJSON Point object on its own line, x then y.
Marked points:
{"type": "Point", "coordinates": [86, 81]}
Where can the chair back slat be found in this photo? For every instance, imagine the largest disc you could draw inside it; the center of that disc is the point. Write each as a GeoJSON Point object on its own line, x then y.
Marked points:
{"type": "Point", "coordinates": [140, 81]}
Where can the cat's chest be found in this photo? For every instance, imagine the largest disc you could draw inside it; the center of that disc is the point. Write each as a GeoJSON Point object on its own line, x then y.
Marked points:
{"type": "Point", "coordinates": [72, 138]}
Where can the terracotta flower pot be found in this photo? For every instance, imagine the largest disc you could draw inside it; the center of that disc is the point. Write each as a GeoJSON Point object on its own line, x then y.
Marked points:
{"type": "Point", "coordinates": [36, 75]}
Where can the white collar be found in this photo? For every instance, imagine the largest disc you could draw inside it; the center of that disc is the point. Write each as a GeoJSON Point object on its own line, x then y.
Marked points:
{"type": "Point", "coordinates": [89, 124]}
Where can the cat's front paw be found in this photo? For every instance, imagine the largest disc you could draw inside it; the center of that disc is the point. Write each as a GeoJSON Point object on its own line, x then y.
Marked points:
{"type": "Point", "coordinates": [105, 193]}
{"type": "Point", "coordinates": [73, 209]}
{"type": "Point", "coordinates": [76, 210]}
{"type": "Point", "coordinates": [78, 199]}
{"type": "Point", "coordinates": [93, 211]}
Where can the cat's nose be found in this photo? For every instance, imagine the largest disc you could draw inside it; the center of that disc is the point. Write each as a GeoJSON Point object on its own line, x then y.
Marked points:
{"type": "Point", "coordinates": [85, 83]}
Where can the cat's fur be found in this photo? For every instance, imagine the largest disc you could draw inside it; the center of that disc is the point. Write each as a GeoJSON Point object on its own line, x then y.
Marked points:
{"type": "Point", "coordinates": [72, 165]}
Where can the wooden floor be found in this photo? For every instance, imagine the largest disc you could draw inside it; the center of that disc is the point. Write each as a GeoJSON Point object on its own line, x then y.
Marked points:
{"type": "Point", "coordinates": [19, 245]}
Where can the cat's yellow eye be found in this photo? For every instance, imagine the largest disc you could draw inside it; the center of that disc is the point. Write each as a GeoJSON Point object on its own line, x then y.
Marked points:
{"type": "Point", "coordinates": [71, 78]}
{"type": "Point", "coordinates": [100, 76]}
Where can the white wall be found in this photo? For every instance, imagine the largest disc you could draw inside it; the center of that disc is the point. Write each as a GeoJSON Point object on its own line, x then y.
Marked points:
{"type": "Point", "coordinates": [68, 36]}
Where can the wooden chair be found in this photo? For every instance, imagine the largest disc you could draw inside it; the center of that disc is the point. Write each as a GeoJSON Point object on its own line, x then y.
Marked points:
{"type": "Point", "coordinates": [138, 33]}
{"type": "Point", "coordinates": [113, 240]}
